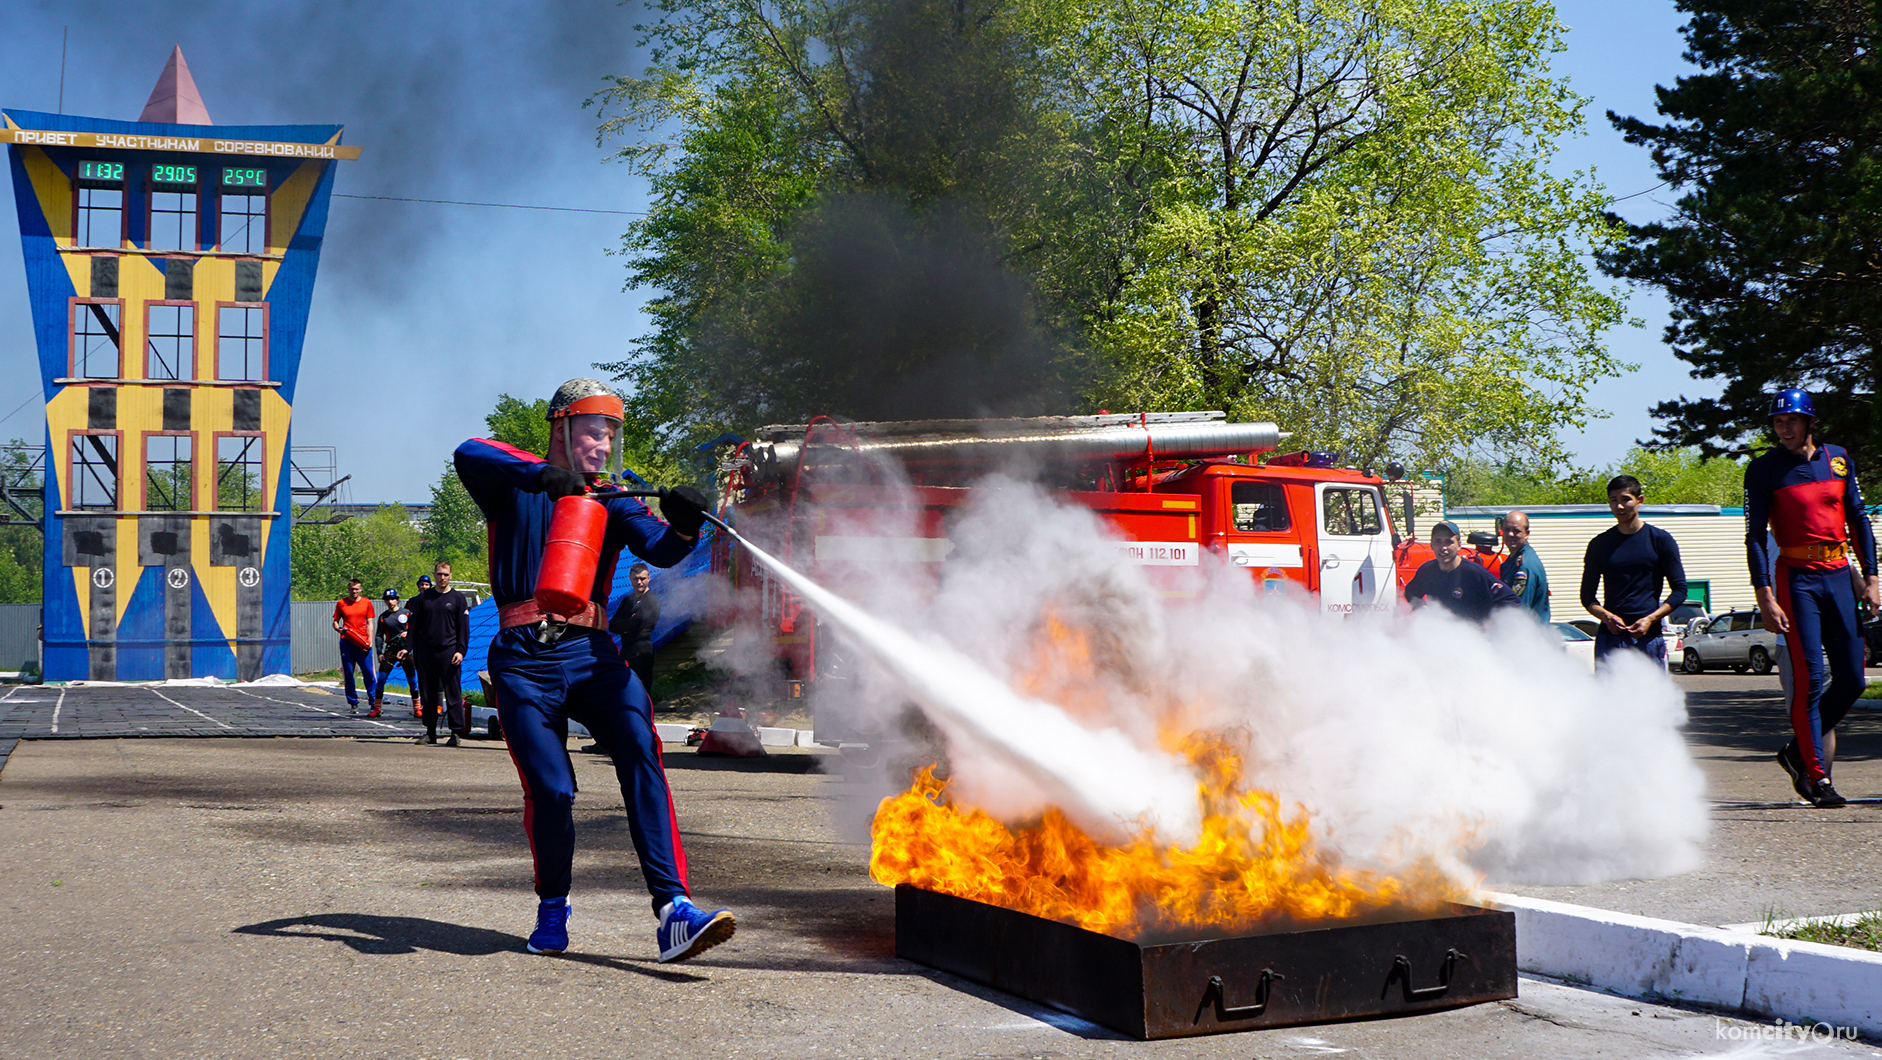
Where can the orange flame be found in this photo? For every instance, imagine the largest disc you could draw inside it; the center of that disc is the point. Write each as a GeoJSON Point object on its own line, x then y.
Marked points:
{"type": "Point", "coordinates": [1251, 864]}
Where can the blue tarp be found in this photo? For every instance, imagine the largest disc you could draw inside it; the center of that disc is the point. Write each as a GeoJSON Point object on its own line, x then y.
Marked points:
{"type": "Point", "coordinates": [681, 589]}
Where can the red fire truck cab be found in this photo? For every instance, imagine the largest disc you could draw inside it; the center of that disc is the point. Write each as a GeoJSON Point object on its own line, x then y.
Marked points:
{"type": "Point", "coordinates": [837, 500]}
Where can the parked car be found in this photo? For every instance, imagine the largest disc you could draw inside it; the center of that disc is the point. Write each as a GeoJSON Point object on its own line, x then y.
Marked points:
{"type": "Point", "coordinates": [1736, 639]}
{"type": "Point", "coordinates": [1575, 642]}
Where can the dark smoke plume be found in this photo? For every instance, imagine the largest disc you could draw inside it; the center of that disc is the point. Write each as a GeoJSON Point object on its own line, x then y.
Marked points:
{"type": "Point", "coordinates": [887, 314]}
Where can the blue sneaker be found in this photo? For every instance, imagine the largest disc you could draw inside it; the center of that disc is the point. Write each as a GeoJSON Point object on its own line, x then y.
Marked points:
{"type": "Point", "coordinates": [688, 931]}
{"type": "Point", "coordinates": [552, 927]}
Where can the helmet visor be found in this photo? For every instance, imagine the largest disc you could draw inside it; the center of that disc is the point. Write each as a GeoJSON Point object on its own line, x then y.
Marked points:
{"type": "Point", "coordinates": [592, 442]}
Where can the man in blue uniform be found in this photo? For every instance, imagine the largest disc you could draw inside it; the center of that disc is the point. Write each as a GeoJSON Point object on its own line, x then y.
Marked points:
{"type": "Point", "coordinates": [1522, 569]}
{"type": "Point", "coordinates": [546, 670]}
{"type": "Point", "coordinates": [1805, 493]}
{"type": "Point", "coordinates": [1467, 590]}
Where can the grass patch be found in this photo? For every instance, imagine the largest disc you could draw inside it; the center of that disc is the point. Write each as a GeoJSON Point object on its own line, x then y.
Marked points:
{"type": "Point", "coordinates": [1874, 691]}
{"type": "Point", "coordinates": [320, 675]}
{"type": "Point", "coordinates": [1864, 934]}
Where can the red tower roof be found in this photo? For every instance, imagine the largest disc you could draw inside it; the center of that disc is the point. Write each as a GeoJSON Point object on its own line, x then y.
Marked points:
{"type": "Point", "coordinates": [175, 100]}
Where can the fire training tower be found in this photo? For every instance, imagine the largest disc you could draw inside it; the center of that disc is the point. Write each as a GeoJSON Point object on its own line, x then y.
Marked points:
{"type": "Point", "coordinates": [170, 263]}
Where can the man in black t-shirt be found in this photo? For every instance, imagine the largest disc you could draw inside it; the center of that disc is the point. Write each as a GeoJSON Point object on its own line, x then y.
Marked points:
{"type": "Point", "coordinates": [1467, 590]}
{"type": "Point", "coordinates": [1630, 561]}
{"type": "Point", "coordinates": [440, 635]}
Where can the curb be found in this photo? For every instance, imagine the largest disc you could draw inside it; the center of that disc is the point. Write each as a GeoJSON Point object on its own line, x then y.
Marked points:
{"type": "Point", "coordinates": [1734, 971]}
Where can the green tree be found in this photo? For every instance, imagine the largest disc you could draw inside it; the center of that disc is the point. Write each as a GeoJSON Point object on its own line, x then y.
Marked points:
{"type": "Point", "coordinates": [22, 560]}
{"type": "Point", "coordinates": [1667, 476]}
{"type": "Point", "coordinates": [1769, 257]}
{"type": "Point", "coordinates": [1339, 219]}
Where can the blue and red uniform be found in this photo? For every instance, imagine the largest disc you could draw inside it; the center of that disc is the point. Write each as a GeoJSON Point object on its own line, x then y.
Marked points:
{"type": "Point", "coordinates": [1814, 512]}
{"type": "Point", "coordinates": [540, 687]}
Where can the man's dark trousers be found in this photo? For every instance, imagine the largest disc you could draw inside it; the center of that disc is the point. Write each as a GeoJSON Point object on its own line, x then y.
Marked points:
{"type": "Point", "coordinates": [438, 683]}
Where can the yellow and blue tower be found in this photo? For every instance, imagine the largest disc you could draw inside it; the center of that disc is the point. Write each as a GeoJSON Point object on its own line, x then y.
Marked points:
{"type": "Point", "coordinates": [170, 264]}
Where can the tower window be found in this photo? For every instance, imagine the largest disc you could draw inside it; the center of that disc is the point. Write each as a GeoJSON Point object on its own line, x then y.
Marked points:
{"type": "Point", "coordinates": [242, 342]}
{"type": "Point", "coordinates": [168, 472]}
{"type": "Point", "coordinates": [239, 484]}
{"type": "Point", "coordinates": [94, 471]}
{"type": "Point", "coordinates": [170, 342]}
{"type": "Point", "coordinates": [100, 217]}
{"type": "Point", "coordinates": [244, 222]}
{"type": "Point", "coordinates": [96, 339]}
{"type": "Point", "coordinates": [172, 207]}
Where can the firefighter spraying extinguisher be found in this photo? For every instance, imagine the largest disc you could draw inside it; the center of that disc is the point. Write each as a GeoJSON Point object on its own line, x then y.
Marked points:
{"type": "Point", "coordinates": [557, 527]}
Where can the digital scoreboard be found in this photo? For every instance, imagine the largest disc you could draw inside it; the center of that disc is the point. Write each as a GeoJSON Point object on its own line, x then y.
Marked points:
{"type": "Point", "coordinates": [168, 174]}
{"type": "Point", "coordinates": [244, 178]}
{"type": "Point", "coordinates": [101, 171]}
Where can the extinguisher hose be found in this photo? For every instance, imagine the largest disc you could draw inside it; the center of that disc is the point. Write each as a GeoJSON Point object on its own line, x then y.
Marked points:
{"type": "Point", "coordinates": [604, 494]}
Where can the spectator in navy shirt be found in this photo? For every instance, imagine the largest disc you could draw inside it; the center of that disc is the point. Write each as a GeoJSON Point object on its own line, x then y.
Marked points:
{"type": "Point", "coordinates": [1467, 590]}
{"type": "Point", "coordinates": [1630, 562]}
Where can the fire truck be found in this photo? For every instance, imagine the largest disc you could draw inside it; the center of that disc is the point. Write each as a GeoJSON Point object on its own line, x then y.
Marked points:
{"type": "Point", "coordinates": [836, 500]}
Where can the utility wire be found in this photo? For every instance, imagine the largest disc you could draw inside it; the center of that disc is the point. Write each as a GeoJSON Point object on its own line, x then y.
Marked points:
{"type": "Point", "coordinates": [23, 404]}
{"type": "Point", "coordinates": [498, 205]}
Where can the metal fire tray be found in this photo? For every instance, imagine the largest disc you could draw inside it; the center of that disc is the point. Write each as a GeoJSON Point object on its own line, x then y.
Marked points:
{"type": "Point", "coordinates": [1174, 989]}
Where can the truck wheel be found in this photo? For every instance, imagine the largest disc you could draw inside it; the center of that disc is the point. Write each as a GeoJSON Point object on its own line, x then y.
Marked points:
{"type": "Point", "coordinates": [1691, 662]}
{"type": "Point", "coordinates": [1760, 660]}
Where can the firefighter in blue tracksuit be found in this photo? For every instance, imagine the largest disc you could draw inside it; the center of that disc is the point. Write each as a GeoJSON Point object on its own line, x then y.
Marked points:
{"type": "Point", "coordinates": [1805, 492]}
{"type": "Point", "coordinates": [546, 671]}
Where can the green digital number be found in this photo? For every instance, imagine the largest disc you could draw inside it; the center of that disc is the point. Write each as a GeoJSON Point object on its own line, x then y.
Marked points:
{"type": "Point", "coordinates": [173, 174]}
{"type": "Point", "coordinates": [101, 171]}
{"type": "Point", "coordinates": [244, 178]}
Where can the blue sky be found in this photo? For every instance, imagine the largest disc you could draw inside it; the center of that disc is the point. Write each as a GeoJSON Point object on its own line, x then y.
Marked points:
{"type": "Point", "coordinates": [423, 314]}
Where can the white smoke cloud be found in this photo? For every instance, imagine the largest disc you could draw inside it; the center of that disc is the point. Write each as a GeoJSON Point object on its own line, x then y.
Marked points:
{"type": "Point", "coordinates": [1403, 735]}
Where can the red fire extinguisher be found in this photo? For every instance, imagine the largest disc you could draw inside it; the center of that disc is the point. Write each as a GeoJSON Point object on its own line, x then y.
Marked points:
{"type": "Point", "coordinates": [567, 574]}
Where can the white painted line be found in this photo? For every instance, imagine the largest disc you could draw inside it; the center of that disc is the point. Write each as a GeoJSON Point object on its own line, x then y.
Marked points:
{"type": "Point", "coordinates": [55, 710]}
{"type": "Point", "coordinates": [192, 710]}
{"type": "Point", "coordinates": [310, 706]}
{"type": "Point", "coordinates": [11, 692]}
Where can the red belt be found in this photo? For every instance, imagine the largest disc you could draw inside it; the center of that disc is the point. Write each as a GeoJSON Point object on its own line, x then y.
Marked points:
{"type": "Point", "coordinates": [526, 613]}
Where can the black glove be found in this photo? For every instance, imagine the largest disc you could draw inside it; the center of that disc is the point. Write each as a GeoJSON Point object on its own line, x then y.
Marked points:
{"type": "Point", "coordinates": [684, 508]}
{"type": "Point", "coordinates": [560, 482]}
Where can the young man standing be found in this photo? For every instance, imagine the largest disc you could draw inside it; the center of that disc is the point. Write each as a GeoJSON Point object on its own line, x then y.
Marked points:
{"type": "Point", "coordinates": [1630, 562]}
{"type": "Point", "coordinates": [1522, 568]}
{"type": "Point", "coordinates": [547, 669]}
{"type": "Point", "coordinates": [440, 636]}
{"type": "Point", "coordinates": [352, 620]}
{"type": "Point", "coordinates": [1467, 590]}
{"type": "Point", "coordinates": [392, 638]}
{"type": "Point", "coordinates": [1805, 494]}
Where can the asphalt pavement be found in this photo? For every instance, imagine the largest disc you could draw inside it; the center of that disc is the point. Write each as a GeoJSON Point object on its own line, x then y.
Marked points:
{"type": "Point", "coordinates": [343, 893]}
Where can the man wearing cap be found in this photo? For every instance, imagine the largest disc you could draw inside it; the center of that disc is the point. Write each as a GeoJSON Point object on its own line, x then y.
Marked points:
{"type": "Point", "coordinates": [1805, 494]}
{"type": "Point", "coordinates": [547, 669]}
{"type": "Point", "coordinates": [418, 702]}
{"type": "Point", "coordinates": [1467, 590]}
{"type": "Point", "coordinates": [392, 639]}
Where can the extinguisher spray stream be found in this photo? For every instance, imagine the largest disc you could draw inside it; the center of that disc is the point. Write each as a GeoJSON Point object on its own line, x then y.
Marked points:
{"type": "Point", "coordinates": [1139, 787]}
